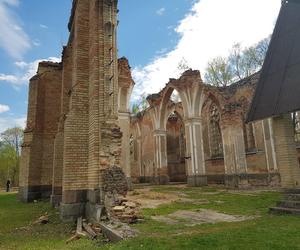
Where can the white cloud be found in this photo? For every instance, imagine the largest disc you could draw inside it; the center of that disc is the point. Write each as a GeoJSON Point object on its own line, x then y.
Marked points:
{"type": "Point", "coordinates": [10, 122]}
{"type": "Point", "coordinates": [208, 30]}
{"type": "Point", "coordinates": [13, 38]}
{"type": "Point", "coordinates": [161, 11]}
{"type": "Point", "coordinates": [43, 26]}
{"type": "Point", "coordinates": [21, 64]}
{"type": "Point", "coordinates": [26, 71]}
{"type": "Point", "coordinates": [8, 78]}
{"type": "Point", "coordinates": [36, 43]}
{"type": "Point", "coordinates": [4, 108]}
{"type": "Point", "coordinates": [10, 2]}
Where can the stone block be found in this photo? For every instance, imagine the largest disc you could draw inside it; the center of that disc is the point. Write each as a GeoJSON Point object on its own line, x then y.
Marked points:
{"type": "Point", "coordinates": [197, 180]}
{"type": "Point", "coordinates": [70, 212]}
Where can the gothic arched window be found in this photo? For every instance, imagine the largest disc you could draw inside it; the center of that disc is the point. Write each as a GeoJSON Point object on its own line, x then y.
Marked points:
{"type": "Point", "coordinates": [215, 136]}
{"type": "Point", "coordinates": [249, 137]}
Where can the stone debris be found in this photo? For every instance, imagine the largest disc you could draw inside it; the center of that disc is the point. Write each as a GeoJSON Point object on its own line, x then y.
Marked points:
{"type": "Point", "coordinates": [130, 204]}
{"type": "Point", "coordinates": [42, 220]}
{"type": "Point", "coordinates": [118, 209]}
{"type": "Point", "coordinates": [85, 230]}
{"type": "Point", "coordinates": [126, 211]}
{"type": "Point", "coordinates": [115, 230]}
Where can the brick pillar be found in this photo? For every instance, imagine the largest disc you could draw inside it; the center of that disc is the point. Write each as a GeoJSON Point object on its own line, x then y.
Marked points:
{"type": "Point", "coordinates": [95, 83]}
{"type": "Point", "coordinates": [56, 196]}
{"type": "Point", "coordinates": [124, 123]}
{"type": "Point", "coordinates": [104, 136]}
{"type": "Point", "coordinates": [75, 167]}
{"type": "Point", "coordinates": [43, 114]}
{"type": "Point", "coordinates": [195, 153]}
{"type": "Point", "coordinates": [30, 174]}
{"type": "Point", "coordinates": [161, 157]}
{"type": "Point", "coordinates": [269, 145]}
{"type": "Point", "coordinates": [234, 153]}
{"type": "Point", "coordinates": [139, 156]}
{"type": "Point", "coordinates": [286, 153]}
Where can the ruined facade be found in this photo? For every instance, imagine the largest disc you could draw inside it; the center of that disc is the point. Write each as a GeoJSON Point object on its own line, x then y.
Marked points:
{"type": "Point", "coordinates": [82, 145]}
{"type": "Point", "coordinates": [203, 138]}
{"type": "Point", "coordinates": [73, 137]}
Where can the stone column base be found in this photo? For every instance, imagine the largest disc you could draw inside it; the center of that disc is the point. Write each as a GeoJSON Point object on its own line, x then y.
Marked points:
{"type": "Point", "coordinates": [197, 180]}
{"type": "Point", "coordinates": [234, 181]}
{"type": "Point", "coordinates": [162, 177]}
{"type": "Point", "coordinates": [31, 193]}
{"type": "Point", "coordinates": [161, 180]}
{"type": "Point", "coordinates": [252, 180]}
{"type": "Point", "coordinates": [70, 212]}
{"type": "Point", "coordinates": [129, 183]}
{"type": "Point", "coordinates": [94, 212]}
{"type": "Point", "coordinates": [55, 200]}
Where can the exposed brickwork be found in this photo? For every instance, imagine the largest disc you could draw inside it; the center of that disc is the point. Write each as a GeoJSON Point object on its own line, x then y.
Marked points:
{"type": "Point", "coordinates": [73, 132]}
{"type": "Point", "coordinates": [235, 153]}
{"type": "Point", "coordinates": [114, 180]}
{"type": "Point", "coordinates": [42, 121]}
{"type": "Point", "coordinates": [286, 151]}
{"type": "Point", "coordinates": [79, 143]}
{"type": "Point", "coordinates": [58, 160]}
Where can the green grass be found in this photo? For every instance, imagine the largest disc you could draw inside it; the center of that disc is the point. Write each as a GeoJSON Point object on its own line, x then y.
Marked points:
{"type": "Point", "coordinates": [16, 232]}
{"type": "Point", "coordinates": [265, 232]}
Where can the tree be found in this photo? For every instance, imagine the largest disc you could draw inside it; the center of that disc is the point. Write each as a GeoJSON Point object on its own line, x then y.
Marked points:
{"type": "Point", "coordinates": [183, 65]}
{"type": "Point", "coordinates": [135, 108]}
{"type": "Point", "coordinates": [9, 164]}
{"type": "Point", "coordinates": [11, 141]}
{"type": "Point", "coordinates": [241, 63]}
{"type": "Point", "coordinates": [219, 72]}
{"type": "Point", "coordinates": [262, 49]}
{"type": "Point", "coordinates": [296, 123]}
{"type": "Point", "coordinates": [13, 137]}
{"type": "Point", "coordinates": [141, 105]}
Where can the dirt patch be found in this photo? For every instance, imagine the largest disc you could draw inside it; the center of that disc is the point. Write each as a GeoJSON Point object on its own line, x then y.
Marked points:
{"type": "Point", "coordinates": [192, 201]}
{"type": "Point", "coordinates": [150, 199]}
{"type": "Point", "coordinates": [165, 219]}
{"type": "Point", "coordinates": [201, 216]}
{"type": "Point", "coordinates": [146, 198]}
{"type": "Point", "coordinates": [253, 192]}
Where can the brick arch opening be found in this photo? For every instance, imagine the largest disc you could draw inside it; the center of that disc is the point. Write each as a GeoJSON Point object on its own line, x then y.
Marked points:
{"type": "Point", "coordinates": [176, 146]}
{"type": "Point", "coordinates": [212, 139]}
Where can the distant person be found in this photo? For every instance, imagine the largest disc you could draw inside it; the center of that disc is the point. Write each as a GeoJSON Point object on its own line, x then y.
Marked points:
{"type": "Point", "coordinates": [7, 185]}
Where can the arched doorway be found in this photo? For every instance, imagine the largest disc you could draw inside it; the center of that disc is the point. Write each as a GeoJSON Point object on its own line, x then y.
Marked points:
{"type": "Point", "coordinates": [176, 148]}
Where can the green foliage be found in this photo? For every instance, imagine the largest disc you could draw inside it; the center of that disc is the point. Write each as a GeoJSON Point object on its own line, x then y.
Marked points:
{"type": "Point", "coordinates": [219, 72]}
{"type": "Point", "coordinates": [241, 63]}
{"type": "Point", "coordinates": [11, 140]}
{"type": "Point", "coordinates": [141, 105]}
{"type": "Point", "coordinates": [135, 108]}
{"type": "Point", "coordinates": [13, 137]}
{"type": "Point", "coordinates": [9, 165]}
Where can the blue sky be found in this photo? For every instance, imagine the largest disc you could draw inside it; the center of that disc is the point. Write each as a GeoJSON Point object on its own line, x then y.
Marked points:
{"type": "Point", "coordinates": [155, 35]}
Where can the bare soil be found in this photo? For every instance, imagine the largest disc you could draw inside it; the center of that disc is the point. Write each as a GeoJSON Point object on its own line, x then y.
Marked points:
{"type": "Point", "coordinates": [201, 216]}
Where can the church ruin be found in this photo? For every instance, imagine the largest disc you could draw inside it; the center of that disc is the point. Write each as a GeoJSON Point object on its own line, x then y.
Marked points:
{"type": "Point", "coordinates": [81, 140]}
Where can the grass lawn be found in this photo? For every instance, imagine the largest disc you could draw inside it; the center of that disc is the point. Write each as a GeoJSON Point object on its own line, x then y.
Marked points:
{"type": "Point", "coordinates": [265, 232]}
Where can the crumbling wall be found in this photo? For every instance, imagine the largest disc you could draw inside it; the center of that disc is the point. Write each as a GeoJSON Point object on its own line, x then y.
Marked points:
{"type": "Point", "coordinates": [42, 122]}
{"type": "Point", "coordinates": [114, 180]}
{"type": "Point", "coordinates": [126, 84]}
{"type": "Point", "coordinates": [245, 152]}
